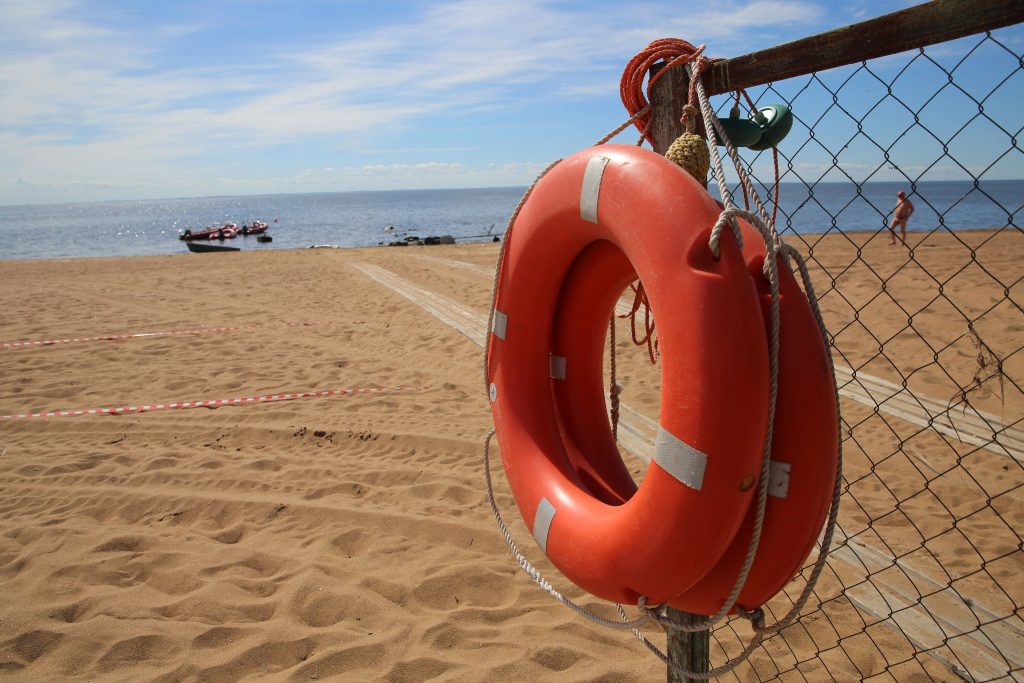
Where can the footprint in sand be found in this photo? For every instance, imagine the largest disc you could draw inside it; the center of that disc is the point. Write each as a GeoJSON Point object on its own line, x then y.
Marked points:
{"type": "Point", "coordinates": [131, 651]}
{"type": "Point", "coordinates": [28, 647]}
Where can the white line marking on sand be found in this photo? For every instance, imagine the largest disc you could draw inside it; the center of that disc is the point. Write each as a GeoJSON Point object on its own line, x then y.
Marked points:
{"type": "Point", "coordinates": [447, 311]}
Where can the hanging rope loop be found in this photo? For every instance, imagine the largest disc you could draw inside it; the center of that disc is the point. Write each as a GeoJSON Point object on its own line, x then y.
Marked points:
{"type": "Point", "coordinates": [765, 224]}
{"type": "Point", "coordinates": [532, 571]}
{"type": "Point", "coordinates": [648, 338]}
{"type": "Point", "coordinates": [728, 219]}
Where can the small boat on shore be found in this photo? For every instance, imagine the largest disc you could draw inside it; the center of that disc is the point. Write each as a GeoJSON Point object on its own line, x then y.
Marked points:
{"type": "Point", "coordinates": [201, 247]}
{"type": "Point", "coordinates": [225, 231]}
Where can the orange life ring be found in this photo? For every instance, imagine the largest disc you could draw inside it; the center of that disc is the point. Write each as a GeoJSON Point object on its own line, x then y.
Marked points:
{"type": "Point", "coordinates": [594, 223]}
{"type": "Point", "coordinates": [805, 443]}
{"type": "Point", "coordinates": [627, 209]}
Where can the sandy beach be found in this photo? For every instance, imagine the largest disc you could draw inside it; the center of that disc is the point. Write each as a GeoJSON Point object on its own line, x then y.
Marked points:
{"type": "Point", "coordinates": [349, 536]}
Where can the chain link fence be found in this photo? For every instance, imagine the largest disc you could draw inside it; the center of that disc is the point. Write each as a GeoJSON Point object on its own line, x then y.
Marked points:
{"type": "Point", "coordinates": [926, 581]}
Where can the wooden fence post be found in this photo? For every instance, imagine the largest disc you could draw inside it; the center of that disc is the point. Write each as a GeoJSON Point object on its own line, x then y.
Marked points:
{"type": "Point", "coordinates": [689, 651]}
{"type": "Point", "coordinates": [667, 100]}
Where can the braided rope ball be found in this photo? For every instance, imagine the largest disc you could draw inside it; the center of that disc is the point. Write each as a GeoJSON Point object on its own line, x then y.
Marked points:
{"type": "Point", "coordinates": [690, 152]}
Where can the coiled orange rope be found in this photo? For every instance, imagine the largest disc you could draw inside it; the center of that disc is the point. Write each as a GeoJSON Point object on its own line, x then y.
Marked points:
{"type": "Point", "coordinates": [674, 52]}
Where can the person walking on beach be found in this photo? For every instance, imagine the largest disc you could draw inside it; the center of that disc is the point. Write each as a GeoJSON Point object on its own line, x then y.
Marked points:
{"type": "Point", "coordinates": [900, 214]}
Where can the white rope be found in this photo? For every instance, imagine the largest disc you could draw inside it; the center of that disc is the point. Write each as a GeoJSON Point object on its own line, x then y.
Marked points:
{"type": "Point", "coordinates": [532, 571]}
{"type": "Point", "coordinates": [711, 123]}
{"type": "Point", "coordinates": [833, 513]}
{"type": "Point", "coordinates": [624, 126]}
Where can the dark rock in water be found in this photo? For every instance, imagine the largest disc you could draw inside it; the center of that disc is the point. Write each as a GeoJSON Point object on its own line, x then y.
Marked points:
{"type": "Point", "coordinates": [416, 241]}
{"type": "Point", "coordinates": [264, 238]}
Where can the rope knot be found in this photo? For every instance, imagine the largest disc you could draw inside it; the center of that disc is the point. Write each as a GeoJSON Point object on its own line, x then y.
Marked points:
{"type": "Point", "coordinates": [641, 603]}
{"type": "Point", "coordinates": [689, 118]}
{"type": "Point", "coordinates": [657, 612]}
{"type": "Point", "coordinates": [755, 617]}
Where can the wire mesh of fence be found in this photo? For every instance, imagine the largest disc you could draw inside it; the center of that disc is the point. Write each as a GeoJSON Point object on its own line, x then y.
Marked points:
{"type": "Point", "coordinates": [927, 579]}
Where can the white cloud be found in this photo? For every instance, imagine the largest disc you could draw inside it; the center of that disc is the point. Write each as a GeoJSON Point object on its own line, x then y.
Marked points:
{"type": "Point", "coordinates": [81, 101]}
{"type": "Point", "coordinates": [426, 175]}
{"type": "Point", "coordinates": [403, 168]}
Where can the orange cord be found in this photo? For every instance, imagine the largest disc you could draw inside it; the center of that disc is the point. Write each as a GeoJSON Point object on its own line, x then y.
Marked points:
{"type": "Point", "coordinates": [775, 160]}
{"type": "Point", "coordinates": [640, 299]}
{"type": "Point", "coordinates": [778, 185]}
{"type": "Point", "coordinates": [674, 52]}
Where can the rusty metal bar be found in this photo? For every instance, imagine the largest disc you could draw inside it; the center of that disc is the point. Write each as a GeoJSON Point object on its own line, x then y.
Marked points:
{"type": "Point", "coordinates": [912, 28]}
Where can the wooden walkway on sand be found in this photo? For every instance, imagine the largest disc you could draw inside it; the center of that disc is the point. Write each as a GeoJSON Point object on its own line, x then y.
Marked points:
{"type": "Point", "coordinates": [958, 630]}
{"type": "Point", "coordinates": [963, 423]}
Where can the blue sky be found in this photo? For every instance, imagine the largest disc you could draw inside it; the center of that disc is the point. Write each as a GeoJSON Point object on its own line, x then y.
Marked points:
{"type": "Point", "coordinates": [115, 100]}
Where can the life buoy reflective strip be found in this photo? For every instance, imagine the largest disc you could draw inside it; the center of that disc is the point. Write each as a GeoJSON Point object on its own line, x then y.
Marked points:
{"type": "Point", "coordinates": [633, 213]}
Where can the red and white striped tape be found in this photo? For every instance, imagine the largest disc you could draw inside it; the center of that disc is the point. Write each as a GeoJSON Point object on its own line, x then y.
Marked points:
{"type": "Point", "coordinates": [207, 404]}
{"type": "Point", "coordinates": [118, 337]}
{"type": "Point", "coordinates": [113, 337]}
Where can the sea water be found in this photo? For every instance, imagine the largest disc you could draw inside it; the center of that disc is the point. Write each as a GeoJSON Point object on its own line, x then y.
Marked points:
{"type": "Point", "coordinates": [352, 219]}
